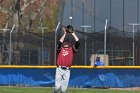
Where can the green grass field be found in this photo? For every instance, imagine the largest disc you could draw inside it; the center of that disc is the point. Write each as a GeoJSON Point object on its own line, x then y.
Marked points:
{"type": "Point", "coordinates": [70, 90]}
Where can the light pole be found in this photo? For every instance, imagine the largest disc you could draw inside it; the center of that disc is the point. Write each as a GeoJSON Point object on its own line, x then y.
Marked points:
{"type": "Point", "coordinates": [105, 40]}
{"type": "Point", "coordinates": [133, 24]}
{"type": "Point", "coordinates": [85, 28]}
{"type": "Point", "coordinates": [42, 45]}
{"type": "Point", "coordinates": [10, 51]}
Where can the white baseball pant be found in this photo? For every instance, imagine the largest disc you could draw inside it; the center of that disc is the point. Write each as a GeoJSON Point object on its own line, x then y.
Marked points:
{"type": "Point", "coordinates": [62, 79]}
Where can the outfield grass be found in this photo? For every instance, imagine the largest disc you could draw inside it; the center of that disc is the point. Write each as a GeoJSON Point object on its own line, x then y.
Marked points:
{"type": "Point", "coordinates": [70, 90]}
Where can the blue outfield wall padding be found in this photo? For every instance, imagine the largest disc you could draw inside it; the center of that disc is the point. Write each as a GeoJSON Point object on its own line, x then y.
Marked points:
{"type": "Point", "coordinates": [82, 77]}
{"type": "Point", "coordinates": [27, 76]}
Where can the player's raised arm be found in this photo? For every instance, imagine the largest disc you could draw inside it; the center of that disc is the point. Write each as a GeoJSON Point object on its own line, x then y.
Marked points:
{"type": "Point", "coordinates": [75, 36]}
{"type": "Point", "coordinates": [60, 42]}
{"type": "Point", "coordinates": [76, 46]}
{"type": "Point", "coordinates": [64, 35]}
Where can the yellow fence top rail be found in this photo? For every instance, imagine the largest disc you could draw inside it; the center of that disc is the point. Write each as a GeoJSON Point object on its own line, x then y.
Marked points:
{"type": "Point", "coordinates": [25, 66]}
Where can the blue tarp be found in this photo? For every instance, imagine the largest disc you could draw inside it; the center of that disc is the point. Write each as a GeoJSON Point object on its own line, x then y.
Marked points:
{"type": "Point", "coordinates": [96, 77]}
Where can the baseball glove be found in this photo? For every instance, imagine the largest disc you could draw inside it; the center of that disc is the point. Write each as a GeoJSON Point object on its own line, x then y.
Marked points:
{"type": "Point", "coordinates": [70, 29]}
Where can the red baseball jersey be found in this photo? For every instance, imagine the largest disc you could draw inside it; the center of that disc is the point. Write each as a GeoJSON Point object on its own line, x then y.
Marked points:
{"type": "Point", "coordinates": [65, 56]}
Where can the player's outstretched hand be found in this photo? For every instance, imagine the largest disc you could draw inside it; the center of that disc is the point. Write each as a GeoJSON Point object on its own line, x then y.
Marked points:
{"type": "Point", "coordinates": [64, 29]}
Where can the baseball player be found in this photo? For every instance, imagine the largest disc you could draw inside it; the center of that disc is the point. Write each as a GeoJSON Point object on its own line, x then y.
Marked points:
{"type": "Point", "coordinates": [66, 51]}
